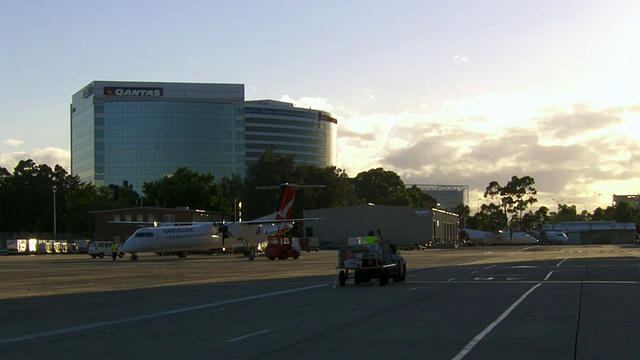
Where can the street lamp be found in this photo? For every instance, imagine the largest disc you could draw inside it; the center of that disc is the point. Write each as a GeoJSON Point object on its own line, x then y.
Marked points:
{"type": "Point", "coordinates": [558, 202]}
{"type": "Point", "coordinates": [55, 223]}
{"type": "Point", "coordinates": [577, 202]}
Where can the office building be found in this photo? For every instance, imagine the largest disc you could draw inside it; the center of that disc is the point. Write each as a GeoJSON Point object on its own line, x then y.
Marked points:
{"type": "Point", "coordinates": [139, 131]}
{"type": "Point", "coordinates": [307, 134]}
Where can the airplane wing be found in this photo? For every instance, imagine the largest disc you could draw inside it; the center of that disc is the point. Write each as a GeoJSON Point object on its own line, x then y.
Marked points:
{"type": "Point", "coordinates": [273, 221]}
{"type": "Point", "coordinates": [155, 223]}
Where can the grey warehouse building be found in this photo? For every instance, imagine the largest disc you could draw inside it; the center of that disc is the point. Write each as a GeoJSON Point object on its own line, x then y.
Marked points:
{"type": "Point", "coordinates": [139, 131]}
{"type": "Point", "coordinates": [403, 226]}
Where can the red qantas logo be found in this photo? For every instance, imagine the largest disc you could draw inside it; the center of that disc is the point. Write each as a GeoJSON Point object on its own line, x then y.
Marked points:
{"type": "Point", "coordinates": [285, 205]}
{"type": "Point", "coordinates": [126, 91]}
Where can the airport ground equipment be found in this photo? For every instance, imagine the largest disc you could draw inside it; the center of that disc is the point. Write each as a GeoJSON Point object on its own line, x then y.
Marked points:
{"type": "Point", "coordinates": [281, 248]}
{"type": "Point", "coordinates": [101, 249]}
{"type": "Point", "coordinates": [380, 261]}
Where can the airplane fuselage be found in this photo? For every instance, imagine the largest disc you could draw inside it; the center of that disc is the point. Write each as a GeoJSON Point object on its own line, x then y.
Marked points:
{"type": "Point", "coordinates": [500, 237]}
{"type": "Point", "coordinates": [173, 239]}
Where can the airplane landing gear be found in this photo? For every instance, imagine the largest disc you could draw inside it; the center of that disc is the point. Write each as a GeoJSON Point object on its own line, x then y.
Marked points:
{"type": "Point", "coordinates": [134, 256]}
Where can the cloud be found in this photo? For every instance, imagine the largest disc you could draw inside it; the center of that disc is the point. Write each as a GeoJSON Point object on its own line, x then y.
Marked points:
{"type": "Point", "coordinates": [317, 103]}
{"type": "Point", "coordinates": [50, 156]}
{"type": "Point", "coordinates": [571, 151]}
{"type": "Point", "coordinates": [13, 142]}
{"type": "Point", "coordinates": [463, 59]}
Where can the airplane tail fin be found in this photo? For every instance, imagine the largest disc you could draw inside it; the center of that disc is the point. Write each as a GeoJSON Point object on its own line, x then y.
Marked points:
{"type": "Point", "coordinates": [284, 208]}
{"type": "Point", "coordinates": [285, 204]}
{"type": "Point", "coordinates": [462, 231]}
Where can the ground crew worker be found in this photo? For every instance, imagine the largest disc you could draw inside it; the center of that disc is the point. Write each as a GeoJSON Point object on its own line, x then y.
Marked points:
{"type": "Point", "coordinates": [114, 251]}
{"type": "Point", "coordinates": [370, 238]}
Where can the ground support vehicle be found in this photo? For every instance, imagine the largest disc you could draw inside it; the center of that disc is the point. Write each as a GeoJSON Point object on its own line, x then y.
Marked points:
{"type": "Point", "coordinates": [380, 261]}
{"type": "Point", "coordinates": [103, 248]}
{"type": "Point", "coordinates": [309, 244]}
{"type": "Point", "coordinates": [281, 248]}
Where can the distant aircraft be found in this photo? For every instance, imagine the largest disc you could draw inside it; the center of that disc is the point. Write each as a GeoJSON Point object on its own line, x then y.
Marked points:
{"type": "Point", "coordinates": [181, 238]}
{"type": "Point", "coordinates": [545, 237]}
{"type": "Point", "coordinates": [497, 237]}
{"type": "Point", "coordinates": [550, 237]}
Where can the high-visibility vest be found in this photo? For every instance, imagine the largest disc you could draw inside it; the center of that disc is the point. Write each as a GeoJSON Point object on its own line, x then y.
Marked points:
{"type": "Point", "coordinates": [370, 239]}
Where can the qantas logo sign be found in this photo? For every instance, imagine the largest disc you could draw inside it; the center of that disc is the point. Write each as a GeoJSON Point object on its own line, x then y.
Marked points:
{"type": "Point", "coordinates": [126, 91]}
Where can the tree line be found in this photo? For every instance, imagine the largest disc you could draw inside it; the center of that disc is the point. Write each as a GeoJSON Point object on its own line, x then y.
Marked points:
{"type": "Point", "coordinates": [509, 209]}
{"type": "Point", "coordinates": [27, 196]}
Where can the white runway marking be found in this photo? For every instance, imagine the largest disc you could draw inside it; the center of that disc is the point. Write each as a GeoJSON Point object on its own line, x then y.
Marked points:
{"type": "Point", "coordinates": [548, 276]}
{"type": "Point", "coordinates": [495, 323]}
{"type": "Point", "coordinates": [560, 263]}
{"type": "Point", "coordinates": [151, 316]}
{"type": "Point", "coordinates": [248, 335]}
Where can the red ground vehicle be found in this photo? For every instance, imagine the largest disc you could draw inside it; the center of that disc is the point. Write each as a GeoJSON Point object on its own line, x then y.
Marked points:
{"type": "Point", "coordinates": [281, 248]}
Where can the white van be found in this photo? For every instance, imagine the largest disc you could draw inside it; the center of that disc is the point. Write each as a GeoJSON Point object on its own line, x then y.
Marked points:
{"type": "Point", "coordinates": [103, 248]}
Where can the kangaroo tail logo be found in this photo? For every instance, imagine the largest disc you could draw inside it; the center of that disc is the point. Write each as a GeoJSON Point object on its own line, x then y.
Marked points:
{"type": "Point", "coordinates": [285, 204]}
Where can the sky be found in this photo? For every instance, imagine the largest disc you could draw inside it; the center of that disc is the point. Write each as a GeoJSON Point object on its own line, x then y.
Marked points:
{"type": "Point", "coordinates": [441, 92]}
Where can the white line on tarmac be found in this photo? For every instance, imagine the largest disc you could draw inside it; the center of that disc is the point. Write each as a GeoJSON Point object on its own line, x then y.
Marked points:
{"type": "Point", "coordinates": [248, 335]}
{"type": "Point", "coordinates": [495, 323]}
{"type": "Point", "coordinates": [548, 276]}
{"type": "Point", "coordinates": [560, 263]}
{"type": "Point", "coordinates": [211, 311]}
{"type": "Point", "coordinates": [152, 316]}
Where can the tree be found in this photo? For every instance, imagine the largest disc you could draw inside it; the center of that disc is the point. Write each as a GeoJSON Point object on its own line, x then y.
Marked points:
{"type": "Point", "coordinates": [271, 169]}
{"type": "Point", "coordinates": [28, 197]}
{"type": "Point", "coordinates": [381, 187]}
{"type": "Point", "coordinates": [514, 198]}
{"type": "Point", "coordinates": [185, 188]}
{"type": "Point", "coordinates": [233, 191]}
{"type": "Point", "coordinates": [338, 189]}
{"type": "Point", "coordinates": [419, 198]}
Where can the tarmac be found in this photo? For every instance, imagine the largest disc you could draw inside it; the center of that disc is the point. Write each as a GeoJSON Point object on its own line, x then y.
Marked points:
{"type": "Point", "coordinates": [502, 302]}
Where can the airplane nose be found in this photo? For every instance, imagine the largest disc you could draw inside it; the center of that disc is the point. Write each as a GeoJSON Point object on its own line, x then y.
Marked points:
{"type": "Point", "coordinates": [127, 247]}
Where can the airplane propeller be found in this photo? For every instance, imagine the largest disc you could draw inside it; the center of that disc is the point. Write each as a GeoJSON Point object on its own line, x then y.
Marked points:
{"type": "Point", "coordinates": [224, 230]}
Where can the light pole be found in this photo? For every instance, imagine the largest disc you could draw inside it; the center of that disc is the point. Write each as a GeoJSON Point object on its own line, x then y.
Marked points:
{"type": "Point", "coordinates": [558, 202]}
{"type": "Point", "coordinates": [585, 208]}
{"type": "Point", "coordinates": [55, 223]}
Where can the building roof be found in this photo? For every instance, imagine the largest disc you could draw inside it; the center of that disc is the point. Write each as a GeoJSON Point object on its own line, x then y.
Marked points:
{"type": "Point", "coordinates": [589, 226]}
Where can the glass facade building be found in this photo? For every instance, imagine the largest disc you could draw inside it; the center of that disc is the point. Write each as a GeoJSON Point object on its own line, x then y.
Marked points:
{"type": "Point", "coordinates": [309, 135]}
{"type": "Point", "coordinates": [138, 131]}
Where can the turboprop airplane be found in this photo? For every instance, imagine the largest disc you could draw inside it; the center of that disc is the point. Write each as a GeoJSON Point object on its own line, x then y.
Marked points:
{"type": "Point", "coordinates": [182, 238]}
{"type": "Point", "coordinates": [550, 237]}
{"type": "Point", "coordinates": [498, 237]}
{"type": "Point", "coordinates": [176, 239]}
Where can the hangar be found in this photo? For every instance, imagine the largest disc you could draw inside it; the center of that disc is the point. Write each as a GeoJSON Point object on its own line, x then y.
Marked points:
{"type": "Point", "coordinates": [595, 232]}
{"type": "Point", "coordinates": [406, 227]}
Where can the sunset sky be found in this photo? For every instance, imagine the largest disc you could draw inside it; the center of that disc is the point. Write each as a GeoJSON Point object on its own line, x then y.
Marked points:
{"type": "Point", "coordinates": [441, 92]}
